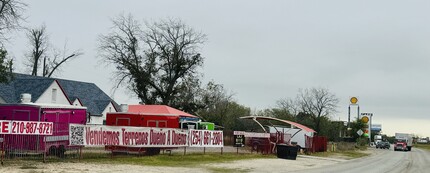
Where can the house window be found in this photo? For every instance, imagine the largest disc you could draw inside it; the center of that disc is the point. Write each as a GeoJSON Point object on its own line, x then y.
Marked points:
{"type": "Point", "coordinates": [110, 109]}
{"type": "Point", "coordinates": [54, 95]}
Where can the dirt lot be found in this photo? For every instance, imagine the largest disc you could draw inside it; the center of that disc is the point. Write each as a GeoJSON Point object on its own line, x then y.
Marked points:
{"type": "Point", "coordinates": [255, 165]}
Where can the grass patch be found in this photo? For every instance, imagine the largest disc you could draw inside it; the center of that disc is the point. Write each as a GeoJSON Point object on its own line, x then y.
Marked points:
{"type": "Point", "coordinates": [354, 154]}
{"type": "Point", "coordinates": [227, 170]}
{"type": "Point", "coordinates": [28, 167]}
{"type": "Point", "coordinates": [324, 154]}
{"type": "Point", "coordinates": [175, 160]}
{"type": "Point", "coordinates": [349, 154]}
{"type": "Point", "coordinates": [422, 146]}
{"type": "Point", "coordinates": [191, 160]}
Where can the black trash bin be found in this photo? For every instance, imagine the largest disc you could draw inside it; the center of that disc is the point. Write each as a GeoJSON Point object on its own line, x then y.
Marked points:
{"type": "Point", "coordinates": [286, 151]}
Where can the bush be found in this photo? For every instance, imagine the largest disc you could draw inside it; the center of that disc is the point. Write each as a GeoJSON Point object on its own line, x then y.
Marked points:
{"type": "Point", "coordinates": [362, 142]}
{"type": "Point", "coordinates": [345, 146]}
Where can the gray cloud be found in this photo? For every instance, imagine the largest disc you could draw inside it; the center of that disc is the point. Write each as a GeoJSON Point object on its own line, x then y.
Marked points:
{"type": "Point", "coordinates": [267, 50]}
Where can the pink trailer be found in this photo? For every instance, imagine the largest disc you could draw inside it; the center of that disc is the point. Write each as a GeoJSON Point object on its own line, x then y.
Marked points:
{"type": "Point", "coordinates": [60, 115]}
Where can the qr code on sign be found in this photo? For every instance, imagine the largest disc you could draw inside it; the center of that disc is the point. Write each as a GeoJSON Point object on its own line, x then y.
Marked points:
{"type": "Point", "coordinates": [76, 135]}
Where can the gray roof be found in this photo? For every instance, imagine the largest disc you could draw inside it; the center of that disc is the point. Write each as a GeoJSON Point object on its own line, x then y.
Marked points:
{"type": "Point", "coordinates": [89, 94]}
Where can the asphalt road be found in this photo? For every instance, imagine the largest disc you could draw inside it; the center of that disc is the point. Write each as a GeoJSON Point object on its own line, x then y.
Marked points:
{"type": "Point", "coordinates": [382, 161]}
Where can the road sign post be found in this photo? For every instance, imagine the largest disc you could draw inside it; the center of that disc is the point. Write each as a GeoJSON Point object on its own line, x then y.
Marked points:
{"type": "Point", "coordinates": [369, 124]}
{"type": "Point", "coordinates": [359, 132]}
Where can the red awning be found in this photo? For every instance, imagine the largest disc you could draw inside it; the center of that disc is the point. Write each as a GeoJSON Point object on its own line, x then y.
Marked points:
{"type": "Point", "coordinates": [300, 126]}
{"type": "Point", "coordinates": [157, 109]}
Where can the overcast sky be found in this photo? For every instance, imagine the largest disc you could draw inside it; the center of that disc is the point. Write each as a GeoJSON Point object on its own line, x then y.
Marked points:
{"type": "Point", "coordinates": [266, 50]}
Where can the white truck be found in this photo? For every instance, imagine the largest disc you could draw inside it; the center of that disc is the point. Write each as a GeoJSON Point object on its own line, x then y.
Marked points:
{"type": "Point", "coordinates": [377, 138]}
{"type": "Point", "coordinates": [423, 141]}
{"type": "Point", "coordinates": [403, 142]}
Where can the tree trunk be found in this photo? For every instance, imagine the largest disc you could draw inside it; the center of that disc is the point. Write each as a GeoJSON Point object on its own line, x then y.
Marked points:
{"type": "Point", "coordinates": [317, 125]}
{"type": "Point", "coordinates": [34, 73]}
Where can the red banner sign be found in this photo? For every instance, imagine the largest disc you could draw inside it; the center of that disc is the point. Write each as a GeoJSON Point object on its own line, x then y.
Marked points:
{"type": "Point", "coordinates": [101, 135]}
{"type": "Point", "coordinates": [206, 138]}
{"type": "Point", "coordinates": [26, 127]}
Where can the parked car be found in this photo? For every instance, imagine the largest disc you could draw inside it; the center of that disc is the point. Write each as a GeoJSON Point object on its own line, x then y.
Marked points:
{"type": "Point", "coordinates": [383, 145]}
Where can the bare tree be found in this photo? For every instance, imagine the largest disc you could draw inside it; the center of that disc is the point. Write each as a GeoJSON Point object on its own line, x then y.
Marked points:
{"type": "Point", "coordinates": [42, 50]}
{"type": "Point", "coordinates": [10, 15]}
{"type": "Point", "coordinates": [155, 61]}
{"type": "Point", "coordinates": [288, 104]}
{"type": "Point", "coordinates": [39, 41]}
{"type": "Point", "coordinates": [188, 99]}
{"type": "Point", "coordinates": [5, 67]}
{"type": "Point", "coordinates": [317, 102]}
{"type": "Point", "coordinates": [310, 106]}
{"type": "Point", "coordinates": [10, 18]}
{"type": "Point", "coordinates": [58, 58]}
{"type": "Point", "coordinates": [217, 105]}
{"type": "Point", "coordinates": [214, 98]}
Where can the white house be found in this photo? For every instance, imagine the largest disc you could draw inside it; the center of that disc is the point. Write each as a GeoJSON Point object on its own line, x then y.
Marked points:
{"type": "Point", "coordinates": [60, 91]}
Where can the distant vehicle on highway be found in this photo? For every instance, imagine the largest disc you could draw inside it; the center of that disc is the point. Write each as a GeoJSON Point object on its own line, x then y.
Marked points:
{"type": "Point", "coordinates": [383, 145]}
{"type": "Point", "coordinates": [423, 141]}
{"type": "Point", "coordinates": [403, 142]}
{"type": "Point", "coordinates": [377, 139]}
{"type": "Point", "coordinates": [400, 146]}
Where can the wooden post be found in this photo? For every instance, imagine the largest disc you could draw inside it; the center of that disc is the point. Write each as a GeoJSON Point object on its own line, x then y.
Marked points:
{"type": "Point", "coordinates": [237, 150]}
{"type": "Point", "coordinates": [44, 157]}
{"type": "Point", "coordinates": [80, 153]}
{"type": "Point", "coordinates": [222, 150]}
{"type": "Point", "coordinates": [185, 150]}
{"type": "Point", "coordinates": [111, 152]}
{"type": "Point", "coordinates": [44, 151]}
{"type": "Point", "coordinates": [77, 153]}
{"type": "Point", "coordinates": [204, 150]}
{"type": "Point", "coordinates": [2, 156]}
{"type": "Point", "coordinates": [2, 151]}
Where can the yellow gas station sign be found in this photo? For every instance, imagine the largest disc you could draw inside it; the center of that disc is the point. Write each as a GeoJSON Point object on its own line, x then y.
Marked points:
{"type": "Point", "coordinates": [353, 100]}
{"type": "Point", "coordinates": [365, 119]}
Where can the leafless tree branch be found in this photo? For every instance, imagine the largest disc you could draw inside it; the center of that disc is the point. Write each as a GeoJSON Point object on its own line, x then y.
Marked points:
{"type": "Point", "coordinates": [39, 42]}
{"type": "Point", "coordinates": [11, 14]}
{"type": "Point", "coordinates": [159, 60]}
